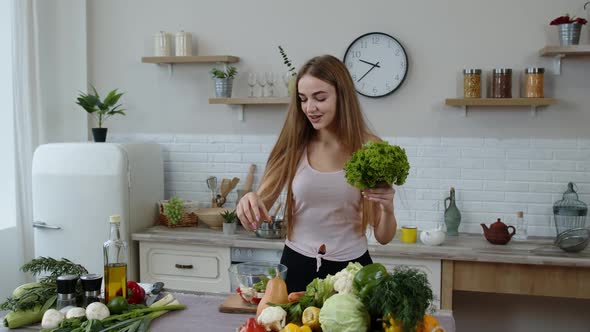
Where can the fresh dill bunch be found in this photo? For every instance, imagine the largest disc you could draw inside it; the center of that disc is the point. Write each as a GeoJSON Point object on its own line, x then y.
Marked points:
{"type": "Point", "coordinates": [55, 267]}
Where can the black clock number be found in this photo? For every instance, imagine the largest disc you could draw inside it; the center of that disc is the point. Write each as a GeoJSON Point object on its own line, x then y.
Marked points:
{"type": "Point", "coordinates": [397, 77]}
{"type": "Point", "coordinates": [375, 40]}
{"type": "Point", "coordinates": [397, 52]}
{"type": "Point", "coordinates": [363, 44]}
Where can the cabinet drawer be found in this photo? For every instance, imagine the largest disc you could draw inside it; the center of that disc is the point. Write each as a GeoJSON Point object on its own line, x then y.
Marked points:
{"type": "Point", "coordinates": [184, 267]}
{"type": "Point", "coordinates": [432, 268]}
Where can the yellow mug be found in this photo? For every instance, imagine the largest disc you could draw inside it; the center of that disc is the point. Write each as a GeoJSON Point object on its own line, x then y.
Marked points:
{"type": "Point", "coordinates": [409, 234]}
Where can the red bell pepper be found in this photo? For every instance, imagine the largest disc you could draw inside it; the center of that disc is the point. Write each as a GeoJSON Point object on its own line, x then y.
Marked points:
{"type": "Point", "coordinates": [252, 325]}
{"type": "Point", "coordinates": [135, 293]}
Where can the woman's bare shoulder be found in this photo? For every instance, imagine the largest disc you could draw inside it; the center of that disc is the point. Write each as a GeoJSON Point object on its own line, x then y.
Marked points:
{"type": "Point", "coordinates": [373, 138]}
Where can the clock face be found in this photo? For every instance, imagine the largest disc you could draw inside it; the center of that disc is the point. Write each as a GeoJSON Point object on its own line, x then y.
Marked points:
{"type": "Point", "coordinates": [377, 63]}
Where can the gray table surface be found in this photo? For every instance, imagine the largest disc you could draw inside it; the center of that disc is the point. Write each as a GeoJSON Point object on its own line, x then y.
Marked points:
{"type": "Point", "coordinates": [202, 314]}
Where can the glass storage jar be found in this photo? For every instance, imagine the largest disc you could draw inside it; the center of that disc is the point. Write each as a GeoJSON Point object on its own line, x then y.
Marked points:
{"type": "Point", "coordinates": [502, 83]}
{"type": "Point", "coordinates": [472, 83]}
{"type": "Point", "coordinates": [533, 82]}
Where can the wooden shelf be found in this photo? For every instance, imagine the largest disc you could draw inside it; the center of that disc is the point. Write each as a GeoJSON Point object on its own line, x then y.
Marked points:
{"type": "Point", "coordinates": [243, 101]}
{"type": "Point", "coordinates": [250, 101]}
{"type": "Point", "coordinates": [559, 52]}
{"type": "Point", "coordinates": [533, 103]}
{"type": "Point", "coordinates": [574, 50]}
{"type": "Point", "coordinates": [190, 59]}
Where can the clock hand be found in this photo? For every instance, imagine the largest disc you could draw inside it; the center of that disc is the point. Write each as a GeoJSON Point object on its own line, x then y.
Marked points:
{"type": "Point", "coordinates": [372, 64]}
{"type": "Point", "coordinates": [375, 65]}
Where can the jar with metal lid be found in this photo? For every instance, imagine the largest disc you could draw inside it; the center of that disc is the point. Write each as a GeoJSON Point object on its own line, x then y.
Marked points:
{"type": "Point", "coordinates": [502, 83]}
{"type": "Point", "coordinates": [472, 83]}
{"type": "Point", "coordinates": [91, 286]}
{"type": "Point", "coordinates": [533, 82]}
{"type": "Point", "coordinates": [66, 291]}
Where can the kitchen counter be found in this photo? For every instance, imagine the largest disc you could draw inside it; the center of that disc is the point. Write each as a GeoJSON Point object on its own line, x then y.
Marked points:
{"type": "Point", "coordinates": [465, 247]}
{"type": "Point", "coordinates": [202, 314]}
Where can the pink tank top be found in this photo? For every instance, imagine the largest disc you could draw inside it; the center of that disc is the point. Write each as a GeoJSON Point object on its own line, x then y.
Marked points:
{"type": "Point", "coordinates": [326, 211]}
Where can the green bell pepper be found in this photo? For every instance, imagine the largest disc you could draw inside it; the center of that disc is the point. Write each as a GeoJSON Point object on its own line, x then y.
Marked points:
{"type": "Point", "coordinates": [366, 278]}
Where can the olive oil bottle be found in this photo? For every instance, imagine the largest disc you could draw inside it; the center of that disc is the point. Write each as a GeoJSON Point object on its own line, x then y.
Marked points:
{"type": "Point", "coordinates": [115, 262]}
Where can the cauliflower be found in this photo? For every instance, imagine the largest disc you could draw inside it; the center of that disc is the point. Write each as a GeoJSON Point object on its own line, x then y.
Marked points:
{"type": "Point", "coordinates": [273, 318]}
{"type": "Point", "coordinates": [76, 312]}
{"type": "Point", "coordinates": [343, 280]}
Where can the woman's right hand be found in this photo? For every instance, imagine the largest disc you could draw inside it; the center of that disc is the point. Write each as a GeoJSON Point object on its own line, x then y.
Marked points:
{"type": "Point", "coordinates": [251, 211]}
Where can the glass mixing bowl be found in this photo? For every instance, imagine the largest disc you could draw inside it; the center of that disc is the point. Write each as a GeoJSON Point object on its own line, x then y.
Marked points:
{"type": "Point", "coordinates": [251, 278]}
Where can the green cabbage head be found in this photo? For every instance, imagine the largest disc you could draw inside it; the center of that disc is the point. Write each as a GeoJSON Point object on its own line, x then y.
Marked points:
{"type": "Point", "coordinates": [376, 163]}
{"type": "Point", "coordinates": [344, 313]}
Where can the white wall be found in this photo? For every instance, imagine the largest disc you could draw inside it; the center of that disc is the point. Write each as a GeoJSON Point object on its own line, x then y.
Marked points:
{"type": "Point", "coordinates": [441, 37]}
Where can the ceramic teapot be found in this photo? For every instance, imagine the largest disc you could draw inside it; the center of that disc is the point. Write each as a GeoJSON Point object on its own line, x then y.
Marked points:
{"type": "Point", "coordinates": [498, 232]}
{"type": "Point", "coordinates": [433, 237]}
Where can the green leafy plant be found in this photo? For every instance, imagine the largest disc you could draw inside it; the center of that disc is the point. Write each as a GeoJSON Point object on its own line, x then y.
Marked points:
{"type": "Point", "coordinates": [101, 109]}
{"type": "Point", "coordinates": [174, 210]}
{"type": "Point", "coordinates": [377, 163]}
{"type": "Point", "coordinates": [229, 216]}
{"type": "Point", "coordinates": [227, 72]}
{"type": "Point", "coordinates": [286, 61]}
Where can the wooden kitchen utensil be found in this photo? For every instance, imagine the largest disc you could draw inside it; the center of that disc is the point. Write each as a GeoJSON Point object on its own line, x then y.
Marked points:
{"type": "Point", "coordinates": [249, 178]}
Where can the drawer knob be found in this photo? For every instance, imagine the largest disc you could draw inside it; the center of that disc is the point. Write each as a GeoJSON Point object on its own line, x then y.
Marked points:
{"type": "Point", "coordinates": [183, 266]}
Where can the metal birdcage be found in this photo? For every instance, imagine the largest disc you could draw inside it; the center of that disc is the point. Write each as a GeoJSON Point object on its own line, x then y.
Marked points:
{"type": "Point", "coordinates": [569, 212]}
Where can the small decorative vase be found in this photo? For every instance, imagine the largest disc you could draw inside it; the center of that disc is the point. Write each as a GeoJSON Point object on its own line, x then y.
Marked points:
{"type": "Point", "coordinates": [569, 34]}
{"type": "Point", "coordinates": [229, 228]}
{"type": "Point", "coordinates": [452, 215]}
{"type": "Point", "coordinates": [223, 87]}
{"type": "Point", "coordinates": [291, 87]}
{"type": "Point", "coordinates": [99, 134]}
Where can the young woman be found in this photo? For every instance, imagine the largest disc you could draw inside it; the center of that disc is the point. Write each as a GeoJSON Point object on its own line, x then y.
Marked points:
{"type": "Point", "coordinates": [327, 217]}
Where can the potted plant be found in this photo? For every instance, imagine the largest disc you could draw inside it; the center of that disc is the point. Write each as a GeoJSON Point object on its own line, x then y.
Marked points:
{"type": "Point", "coordinates": [223, 80]}
{"type": "Point", "coordinates": [229, 222]}
{"type": "Point", "coordinates": [291, 75]}
{"type": "Point", "coordinates": [569, 29]}
{"type": "Point", "coordinates": [100, 109]}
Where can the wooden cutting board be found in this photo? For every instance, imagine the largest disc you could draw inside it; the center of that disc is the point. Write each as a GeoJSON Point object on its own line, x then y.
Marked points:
{"type": "Point", "coordinates": [235, 305]}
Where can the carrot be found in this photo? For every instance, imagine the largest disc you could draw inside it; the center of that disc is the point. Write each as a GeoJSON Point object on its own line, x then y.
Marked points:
{"type": "Point", "coordinates": [294, 296]}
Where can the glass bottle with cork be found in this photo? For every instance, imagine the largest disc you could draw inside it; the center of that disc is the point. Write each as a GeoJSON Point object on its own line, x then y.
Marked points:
{"type": "Point", "coordinates": [521, 227]}
{"type": "Point", "coordinates": [115, 262]}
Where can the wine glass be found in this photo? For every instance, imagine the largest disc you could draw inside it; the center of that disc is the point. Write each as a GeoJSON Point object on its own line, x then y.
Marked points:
{"type": "Point", "coordinates": [262, 82]}
{"type": "Point", "coordinates": [270, 80]}
{"type": "Point", "coordinates": [251, 83]}
{"type": "Point", "coordinates": [286, 78]}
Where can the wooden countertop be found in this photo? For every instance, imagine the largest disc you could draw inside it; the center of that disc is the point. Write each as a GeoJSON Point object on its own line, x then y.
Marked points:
{"type": "Point", "coordinates": [465, 247]}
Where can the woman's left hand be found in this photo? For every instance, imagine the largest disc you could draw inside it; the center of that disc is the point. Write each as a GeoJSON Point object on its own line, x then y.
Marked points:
{"type": "Point", "coordinates": [381, 195]}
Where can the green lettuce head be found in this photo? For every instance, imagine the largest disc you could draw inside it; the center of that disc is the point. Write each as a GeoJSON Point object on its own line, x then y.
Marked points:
{"type": "Point", "coordinates": [376, 163]}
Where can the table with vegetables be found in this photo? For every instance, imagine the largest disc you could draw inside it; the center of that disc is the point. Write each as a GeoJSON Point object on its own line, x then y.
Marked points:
{"type": "Point", "coordinates": [358, 298]}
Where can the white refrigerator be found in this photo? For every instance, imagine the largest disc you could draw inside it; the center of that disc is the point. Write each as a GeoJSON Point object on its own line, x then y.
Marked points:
{"type": "Point", "coordinates": [77, 186]}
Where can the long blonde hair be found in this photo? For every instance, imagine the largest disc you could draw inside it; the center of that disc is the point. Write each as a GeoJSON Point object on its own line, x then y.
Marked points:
{"type": "Point", "coordinates": [297, 132]}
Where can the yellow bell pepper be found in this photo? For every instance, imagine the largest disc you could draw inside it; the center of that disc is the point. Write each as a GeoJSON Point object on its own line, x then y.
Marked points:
{"type": "Point", "coordinates": [305, 328]}
{"type": "Point", "coordinates": [291, 328]}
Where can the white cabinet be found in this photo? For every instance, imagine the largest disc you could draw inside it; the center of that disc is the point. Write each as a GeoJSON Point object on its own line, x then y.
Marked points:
{"type": "Point", "coordinates": [432, 268]}
{"type": "Point", "coordinates": [185, 267]}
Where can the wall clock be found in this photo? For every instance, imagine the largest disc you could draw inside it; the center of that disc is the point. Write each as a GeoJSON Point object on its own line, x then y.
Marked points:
{"type": "Point", "coordinates": [378, 64]}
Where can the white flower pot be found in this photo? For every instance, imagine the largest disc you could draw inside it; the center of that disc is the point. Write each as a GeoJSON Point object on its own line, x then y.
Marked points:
{"type": "Point", "coordinates": [229, 228]}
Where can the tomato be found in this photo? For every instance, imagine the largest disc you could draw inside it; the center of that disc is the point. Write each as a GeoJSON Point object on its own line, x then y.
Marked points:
{"type": "Point", "coordinates": [117, 305]}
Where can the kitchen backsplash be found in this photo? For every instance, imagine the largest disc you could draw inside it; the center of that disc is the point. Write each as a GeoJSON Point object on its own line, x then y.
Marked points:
{"type": "Point", "coordinates": [493, 178]}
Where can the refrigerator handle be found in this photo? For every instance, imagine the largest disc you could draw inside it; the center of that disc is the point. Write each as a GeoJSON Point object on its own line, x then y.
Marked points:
{"type": "Point", "coordinates": [40, 224]}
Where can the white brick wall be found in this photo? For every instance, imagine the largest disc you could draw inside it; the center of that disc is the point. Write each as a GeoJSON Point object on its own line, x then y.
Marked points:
{"type": "Point", "coordinates": [493, 178]}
